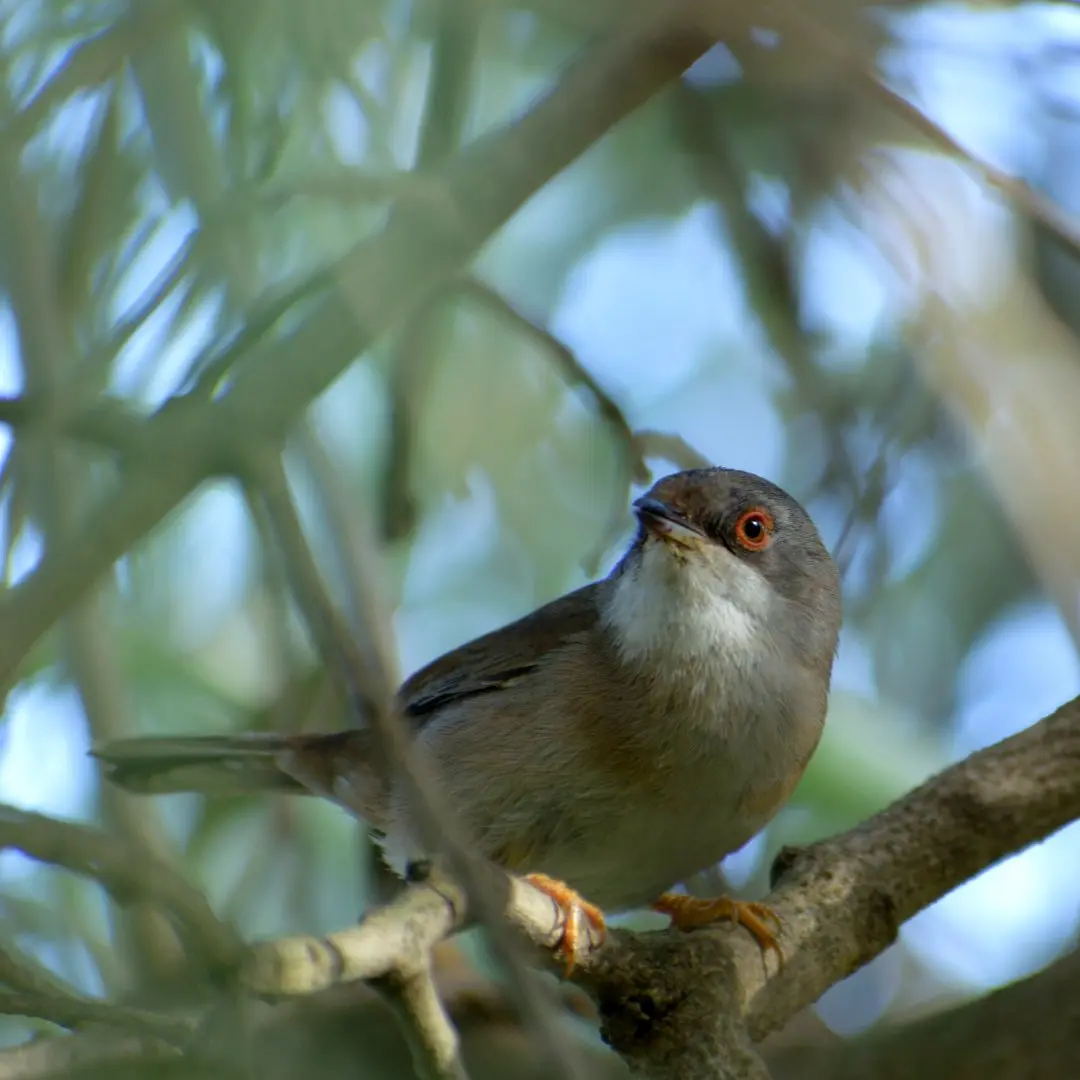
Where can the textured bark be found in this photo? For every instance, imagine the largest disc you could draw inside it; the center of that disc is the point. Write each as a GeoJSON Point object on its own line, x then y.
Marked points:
{"type": "Point", "coordinates": [1026, 1031]}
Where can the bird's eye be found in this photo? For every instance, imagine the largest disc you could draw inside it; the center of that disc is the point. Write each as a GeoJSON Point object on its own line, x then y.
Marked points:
{"type": "Point", "coordinates": [754, 529]}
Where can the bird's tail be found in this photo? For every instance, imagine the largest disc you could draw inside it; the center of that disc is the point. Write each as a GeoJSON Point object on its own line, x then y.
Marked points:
{"type": "Point", "coordinates": [340, 766]}
{"type": "Point", "coordinates": [209, 764]}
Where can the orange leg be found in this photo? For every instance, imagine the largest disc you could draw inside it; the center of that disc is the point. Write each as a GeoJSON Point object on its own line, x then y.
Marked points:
{"type": "Point", "coordinates": [572, 907]}
{"type": "Point", "coordinates": [687, 912]}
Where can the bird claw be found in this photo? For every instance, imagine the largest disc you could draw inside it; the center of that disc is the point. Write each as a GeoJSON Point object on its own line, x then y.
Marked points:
{"type": "Point", "coordinates": [689, 912]}
{"type": "Point", "coordinates": [573, 908]}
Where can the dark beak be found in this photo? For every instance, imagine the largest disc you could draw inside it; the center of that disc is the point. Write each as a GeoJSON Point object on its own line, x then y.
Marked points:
{"type": "Point", "coordinates": [666, 522]}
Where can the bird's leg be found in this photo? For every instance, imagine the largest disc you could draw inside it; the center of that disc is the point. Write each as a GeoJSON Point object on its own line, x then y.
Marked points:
{"type": "Point", "coordinates": [688, 912]}
{"type": "Point", "coordinates": [573, 908]}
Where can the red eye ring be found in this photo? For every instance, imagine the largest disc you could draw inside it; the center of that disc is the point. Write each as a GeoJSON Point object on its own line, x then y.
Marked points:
{"type": "Point", "coordinates": [754, 529]}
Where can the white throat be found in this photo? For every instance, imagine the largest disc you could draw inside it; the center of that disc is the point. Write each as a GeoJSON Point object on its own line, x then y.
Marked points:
{"type": "Point", "coordinates": [708, 610]}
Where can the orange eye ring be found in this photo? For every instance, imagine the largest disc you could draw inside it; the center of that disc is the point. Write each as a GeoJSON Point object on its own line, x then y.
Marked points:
{"type": "Point", "coordinates": [754, 529]}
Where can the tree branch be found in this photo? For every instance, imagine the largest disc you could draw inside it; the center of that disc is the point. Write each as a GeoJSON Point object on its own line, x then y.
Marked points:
{"type": "Point", "coordinates": [667, 999]}
{"type": "Point", "coordinates": [379, 283]}
{"type": "Point", "coordinates": [72, 1011]}
{"type": "Point", "coordinates": [573, 371]}
{"type": "Point", "coordinates": [125, 874]}
{"type": "Point", "coordinates": [365, 674]}
{"type": "Point", "coordinates": [80, 1055]}
{"type": "Point", "coordinates": [446, 110]}
{"type": "Point", "coordinates": [1028, 1029]}
{"type": "Point", "coordinates": [344, 1033]}
{"type": "Point", "coordinates": [106, 423]}
{"type": "Point", "coordinates": [433, 1039]}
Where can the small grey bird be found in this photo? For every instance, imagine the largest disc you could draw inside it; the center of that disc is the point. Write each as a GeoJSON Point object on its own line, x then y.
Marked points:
{"type": "Point", "coordinates": [617, 740]}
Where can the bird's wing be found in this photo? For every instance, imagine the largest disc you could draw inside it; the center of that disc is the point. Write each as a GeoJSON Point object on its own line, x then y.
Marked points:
{"type": "Point", "coordinates": [494, 661]}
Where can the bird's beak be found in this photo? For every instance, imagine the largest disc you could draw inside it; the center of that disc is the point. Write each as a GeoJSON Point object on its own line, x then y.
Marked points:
{"type": "Point", "coordinates": [666, 523]}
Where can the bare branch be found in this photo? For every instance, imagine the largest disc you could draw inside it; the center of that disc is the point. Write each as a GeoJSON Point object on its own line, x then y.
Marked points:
{"type": "Point", "coordinates": [840, 903]}
{"type": "Point", "coordinates": [398, 936]}
{"type": "Point", "coordinates": [432, 1038]}
{"type": "Point", "coordinates": [1028, 1029]}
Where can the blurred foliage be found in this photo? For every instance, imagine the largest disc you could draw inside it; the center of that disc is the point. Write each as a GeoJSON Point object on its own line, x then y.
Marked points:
{"type": "Point", "coordinates": [169, 170]}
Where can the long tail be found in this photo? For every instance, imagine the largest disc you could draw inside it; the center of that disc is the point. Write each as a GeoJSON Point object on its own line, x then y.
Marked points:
{"type": "Point", "coordinates": [339, 766]}
{"type": "Point", "coordinates": [210, 764]}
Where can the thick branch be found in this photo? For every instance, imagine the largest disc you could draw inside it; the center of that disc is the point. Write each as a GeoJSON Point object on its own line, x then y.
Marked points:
{"type": "Point", "coordinates": [106, 423]}
{"type": "Point", "coordinates": [1028, 1029]}
{"type": "Point", "coordinates": [668, 1000]}
{"type": "Point", "coordinates": [842, 900]}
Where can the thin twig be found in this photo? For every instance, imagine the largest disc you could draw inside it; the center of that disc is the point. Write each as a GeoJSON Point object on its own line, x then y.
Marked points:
{"type": "Point", "coordinates": [632, 469]}
{"type": "Point", "coordinates": [673, 448]}
{"type": "Point", "coordinates": [71, 1011]}
{"type": "Point", "coordinates": [19, 972]}
{"type": "Point", "coordinates": [124, 873]}
{"type": "Point", "coordinates": [573, 370]}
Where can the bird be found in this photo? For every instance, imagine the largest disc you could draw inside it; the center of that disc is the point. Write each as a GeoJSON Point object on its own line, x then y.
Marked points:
{"type": "Point", "coordinates": [614, 742]}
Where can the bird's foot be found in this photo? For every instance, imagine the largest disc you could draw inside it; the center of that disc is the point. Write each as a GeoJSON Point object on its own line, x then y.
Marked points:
{"type": "Point", "coordinates": [573, 909]}
{"type": "Point", "coordinates": [688, 912]}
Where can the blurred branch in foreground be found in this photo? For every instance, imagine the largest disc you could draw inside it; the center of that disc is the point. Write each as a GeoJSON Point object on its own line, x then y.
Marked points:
{"type": "Point", "coordinates": [127, 874]}
{"type": "Point", "coordinates": [379, 283]}
{"type": "Point", "coordinates": [366, 674]}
